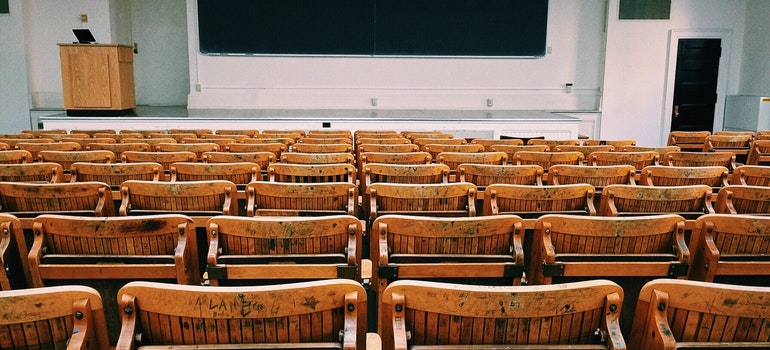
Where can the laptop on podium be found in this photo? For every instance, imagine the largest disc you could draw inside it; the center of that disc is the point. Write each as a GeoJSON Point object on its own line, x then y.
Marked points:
{"type": "Point", "coordinates": [84, 36]}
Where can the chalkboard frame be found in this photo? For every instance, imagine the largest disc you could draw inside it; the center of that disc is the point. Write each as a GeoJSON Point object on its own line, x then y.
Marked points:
{"type": "Point", "coordinates": [374, 28]}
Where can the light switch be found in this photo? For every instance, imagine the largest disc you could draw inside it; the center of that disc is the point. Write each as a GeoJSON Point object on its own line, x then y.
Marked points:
{"type": "Point", "coordinates": [84, 18]}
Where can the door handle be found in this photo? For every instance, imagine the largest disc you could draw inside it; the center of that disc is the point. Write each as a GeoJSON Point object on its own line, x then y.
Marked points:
{"type": "Point", "coordinates": [676, 111]}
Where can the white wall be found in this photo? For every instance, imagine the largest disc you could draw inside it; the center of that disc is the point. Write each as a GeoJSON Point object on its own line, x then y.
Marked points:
{"type": "Point", "coordinates": [14, 109]}
{"type": "Point", "coordinates": [755, 75]}
{"type": "Point", "coordinates": [575, 34]}
{"type": "Point", "coordinates": [636, 65]}
{"type": "Point", "coordinates": [48, 22]}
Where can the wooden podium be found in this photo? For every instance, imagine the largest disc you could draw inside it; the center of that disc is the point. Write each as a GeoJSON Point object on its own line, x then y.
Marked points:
{"type": "Point", "coordinates": [97, 79]}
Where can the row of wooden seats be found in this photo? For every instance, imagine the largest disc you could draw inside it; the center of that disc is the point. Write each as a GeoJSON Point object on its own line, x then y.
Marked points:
{"type": "Point", "coordinates": [332, 314]}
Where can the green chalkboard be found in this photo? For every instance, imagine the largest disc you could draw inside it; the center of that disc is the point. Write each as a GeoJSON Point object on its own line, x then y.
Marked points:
{"type": "Point", "coordinates": [506, 28]}
{"type": "Point", "coordinates": [4, 6]}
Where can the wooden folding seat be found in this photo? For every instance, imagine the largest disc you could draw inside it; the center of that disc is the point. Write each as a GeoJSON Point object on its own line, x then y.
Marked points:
{"type": "Point", "coordinates": [511, 150]}
{"type": "Point", "coordinates": [34, 147]}
{"type": "Point", "coordinates": [15, 157]}
{"type": "Point", "coordinates": [568, 248]}
{"type": "Point", "coordinates": [422, 142]}
{"type": "Point", "coordinates": [329, 133]}
{"type": "Point", "coordinates": [660, 175]}
{"type": "Point", "coordinates": [689, 159]}
{"type": "Point", "coordinates": [63, 137]}
{"type": "Point", "coordinates": [597, 176]}
{"type": "Point", "coordinates": [382, 141]}
{"type": "Point", "coordinates": [412, 135]}
{"type": "Point", "coordinates": [152, 142]}
{"type": "Point", "coordinates": [277, 149]}
{"type": "Point", "coordinates": [241, 174]}
{"type": "Point", "coordinates": [638, 160]}
{"type": "Point", "coordinates": [435, 149]}
{"type": "Point", "coordinates": [688, 140]}
{"type": "Point", "coordinates": [221, 142]}
{"type": "Point", "coordinates": [735, 133]}
{"type": "Point", "coordinates": [753, 175]}
{"type": "Point", "coordinates": [370, 157]}
{"type": "Point", "coordinates": [153, 247]}
{"type": "Point", "coordinates": [730, 245]}
{"type": "Point", "coordinates": [662, 150]}
{"type": "Point", "coordinates": [66, 159]}
{"type": "Point", "coordinates": [294, 135]}
{"type": "Point", "coordinates": [177, 137]}
{"type": "Point", "coordinates": [322, 148]}
{"type": "Point", "coordinates": [262, 159]}
{"type": "Point", "coordinates": [196, 132]}
{"type": "Point", "coordinates": [143, 132]}
{"type": "Point", "coordinates": [163, 158]}
{"type": "Point", "coordinates": [483, 175]}
{"type": "Point", "coordinates": [236, 132]}
{"type": "Point", "coordinates": [434, 315]}
{"type": "Point", "coordinates": [328, 314]}
{"type": "Point", "coordinates": [13, 254]}
{"type": "Point", "coordinates": [218, 136]}
{"type": "Point", "coordinates": [737, 199]}
{"type": "Point", "coordinates": [586, 150]}
{"type": "Point", "coordinates": [454, 159]}
{"type": "Point", "coordinates": [93, 132]}
{"type": "Point", "coordinates": [547, 159]}
{"type": "Point", "coordinates": [679, 314]}
{"type": "Point", "coordinates": [115, 174]}
{"type": "Point", "coordinates": [32, 172]}
{"type": "Point", "coordinates": [43, 132]}
{"type": "Point", "coordinates": [285, 141]}
{"type": "Point", "coordinates": [376, 133]}
{"type": "Point", "coordinates": [300, 199]}
{"type": "Point", "coordinates": [84, 142]}
{"type": "Point", "coordinates": [553, 143]}
{"type": "Point", "coordinates": [120, 137]}
{"type": "Point", "coordinates": [485, 249]}
{"type": "Point", "coordinates": [286, 249]}
{"type": "Point", "coordinates": [317, 158]}
{"type": "Point", "coordinates": [64, 317]}
{"type": "Point", "coordinates": [119, 148]}
{"type": "Point", "coordinates": [618, 144]}
{"type": "Point", "coordinates": [762, 135]}
{"type": "Point", "coordinates": [325, 140]}
{"type": "Point", "coordinates": [312, 173]}
{"type": "Point", "coordinates": [387, 148]}
{"type": "Point", "coordinates": [17, 136]}
{"type": "Point", "coordinates": [534, 201]}
{"type": "Point", "coordinates": [452, 200]}
{"type": "Point", "coordinates": [197, 148]}
{"type": "Point", "coordinates": [12, 143]}
{"type": "Point", "coordinates": [83, 198]}
{"type": "Point", "coordinates": [738, 144]}
{"type": "Point", "coordinates": [626, 200]}
{"type": "Point", "coordinates": [487, 143]}
{"type": "Point", "coordinates": [196, 198]}
{"type": "Point", "coordinates": [759, 153]}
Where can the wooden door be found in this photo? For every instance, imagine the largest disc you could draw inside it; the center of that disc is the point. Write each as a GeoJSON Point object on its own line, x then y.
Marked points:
{"type": "Point", "coordinates": [695, 85]}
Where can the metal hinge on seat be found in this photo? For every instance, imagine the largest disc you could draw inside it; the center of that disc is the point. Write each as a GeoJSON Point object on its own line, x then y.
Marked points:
{"type": "Point", "coordinates": [678, 269]}
{"type": "Point", "coordinates": [387, 271]}
{"type": "Point", "coordinates": [347, 272]}
{"type": "Point", "coordinates": [553, 270]}
{"type": "Point", "coordinates": [216, 272]}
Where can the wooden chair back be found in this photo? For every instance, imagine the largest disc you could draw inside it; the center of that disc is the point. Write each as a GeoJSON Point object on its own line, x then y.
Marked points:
{"type": "Point", "coordinates": [277, 149]}
{"type": "Point", "coordinates": [84, 142]}
{"type": "Point", "coordinates": [34, 147]}
{"type": "Point", "coordinates": [66, 159]}
{"type": "Point", "coordinates": [70, 317]}
{"type": "Point", "coordinates": [638, 160]}
{"type": "Point", "coordinates": [688, 140]}
{"type": "Point", "coordinates": [376, 134]}
{"type": "Point", "coordinates": [737, 199]}
{"type": "Point", "coordinates": [730, 245]}
{"type": "Point", "coordinates": [236, 132]}
{"type": "Point", "coordinates": [759, 153]}
{"type": "Point", "coordinates": [404, 173]}
{"type": "Point", "coordinates": [15, 157]}
{"type": "Point", "coordinates": [4, 146]}
{"type": "Point", "coordinates": [412, 135]}
{"type": "Point", "coordinates": [329, 133]}
{"type": "Point", "coordinates": [419, 313]}
{"type": "Point", "coordinates": [240, 174]}
{"type": "Point", "coordinates": [17, 136]}
{"type": "Point", "coordinates": [31, 199]}
{"type": "Point", "coordinates": [679, 314]}
{"type": "Point", "coordinates": [535, 201]}
{"type": "Point", "coordinates": [270, 248]}
{"type": "Point", "coordinates": [435, 149]}
{"type": "Point", "coordinates": [662, 150]}
{"type": "Point", "coordinates": [13, 254]}
{"type": "Point", "coordinates": [382, 141]}
{"type": "Point", "coordinates": [299, 199]}
{"type": "Point", "coordinates": [753, 175]}
{"type": "Point", "coordinates": [689, 159]}
{"type": "Point", "coordinates": [553, 143]}
{"type": "Point", "coordinates": [316, 140]}
{"type": "Point", "coordinates": [327, 314]}
{"type": "Point", "coordinates": [512, 149]}
{"type": "Point", "coordinates": [735, 133]}
{"type": "Point", "coordinates": [322, 148]}
{"type": "Point", "coordinates": [586, 150]}
{"type": "Point", "coordinates": [121, 136]}
{"type": "Point", "coordinates": [640, 246]}
{"type": "Point", "coordinates": [32, 172]}
{"type": "Point", "coordinates": [115, 174]}
{"type": "Point", "coordinates": [221, 142]}
{"type": "Point", "coordinates": [13, 142]}
{"type": "Point", "coordinates": [163, 158]}
{"type": "Point", "coordinates": [483, 175]}
{"type": "Point", "coordinates": [488, 143]}
{"type": "Point", "coordinates": [317, 158]}
{"type": "Point", "coordinates": [152, 142]}
{"type": "Point", "coordinates": [196, 132]}
{"type": "Point", "coordinates": [143, 132]}
{"type": "Point", "coordinates": [217, 136]}
{"type": "Point", "coordinates": [624, 200]}
{"type": "Point", "coordinates": [452, 199]}
{"type": "Point", "coordinates": [269, 134]}
{"type": "Point", "coordinates": [62, 137]}
{"type": "Point", "coordinates": [197, 148]}
{"type": "Point", "coordinates": [312, 173]}
{"type": "Point", "coordinates": [454, 159]}
{"type": "Point", "coordinates": [92, 132]}
{"type": "Point", "coordinates": [597, 176]}
{"type": "Point", "coordinates": [119, 148]}
{"type": "Point", "coordinates": [618, 144]}
{"type": "Point", "coordinates": [177, 137]}
{"type": "Point", "coordinates": [660, 175]}
{"type": "Point", "coordinates": [263, 159]}
{"type": "Point", "coordinates": [738, 144]}
{"type": "Point", "coordinates": [394, 158]}
{"type": "Point", "coordinates": [387, 148]}
{"type": "Point", "coordinates": [422, 142]}
{"type": "Point", "coordinates": [547, 159]}
{"type": "Point", "coordinates": [81, 248]}
{"type": "Point", "coordinates": [198, 198]}
{"type": "Point", "coordinates": [286, 141]}
{"type": "Point", "coordinates": [43, 132]}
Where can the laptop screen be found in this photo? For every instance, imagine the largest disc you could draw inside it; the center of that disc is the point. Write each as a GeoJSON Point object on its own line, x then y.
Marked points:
{"type": "Point", "coordinates": [84, 36]}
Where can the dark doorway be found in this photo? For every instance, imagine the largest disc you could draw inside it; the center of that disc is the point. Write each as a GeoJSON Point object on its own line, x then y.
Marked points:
{"type": "Point", "coordinates": [695, 85]}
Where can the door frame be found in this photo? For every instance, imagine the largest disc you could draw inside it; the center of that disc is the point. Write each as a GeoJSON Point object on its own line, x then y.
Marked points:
{"type": "Point", "coordinates": [724, 64]}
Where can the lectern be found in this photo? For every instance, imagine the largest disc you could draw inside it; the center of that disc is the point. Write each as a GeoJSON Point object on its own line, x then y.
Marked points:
{"type": "Point", "coordinates": [97, 79]}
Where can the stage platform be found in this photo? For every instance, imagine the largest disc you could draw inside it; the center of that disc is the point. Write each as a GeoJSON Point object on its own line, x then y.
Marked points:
{"type": "Point", "coordinates": [461, 123]}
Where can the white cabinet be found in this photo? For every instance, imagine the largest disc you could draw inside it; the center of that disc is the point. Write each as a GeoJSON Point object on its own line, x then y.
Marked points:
{"type": "Point", "coordinates": [747, 113]}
